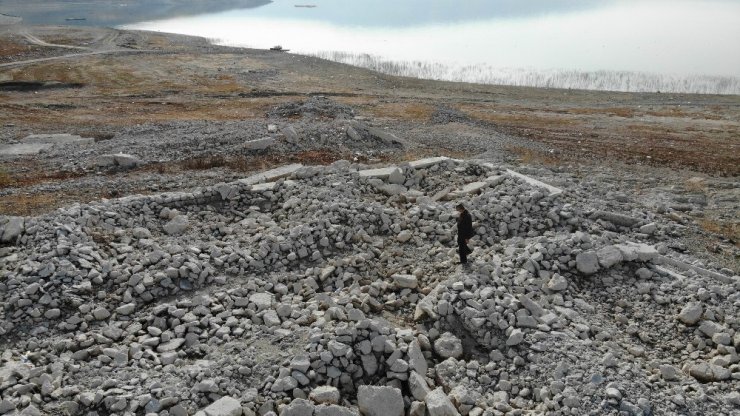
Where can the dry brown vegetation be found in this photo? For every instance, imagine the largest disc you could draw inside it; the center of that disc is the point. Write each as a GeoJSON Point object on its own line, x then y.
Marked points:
{"type": "Point", "coordinates": [34, 204]}
{"type": "Point", "coordinates": [515, 117]}
{"type": "Point", "coordinates": [614, 111]}
{"type": "Point", "coordinates": [727, 229]}
{"type": "Point", "coordinates": [408, 111]}
{"type": "Point", "coordinates": [9, 48]}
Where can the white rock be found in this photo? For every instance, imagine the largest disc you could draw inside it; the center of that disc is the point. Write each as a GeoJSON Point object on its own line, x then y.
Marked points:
{"type": "Point", "coordinates": [52, 313]}
{"type": "Point", "coordinates": [334, 410]}
{"type": "Point", "coordinates": [649, 228]}
{"type": "Point", "coordinates": [709, 328]}
{"type": "Point", "coordinates": [6, 406]}
{"type": "Point", "coordinates": [324, 395]}
{"type": "Point", "coordinates": [396, 176]}
{"type": "Point", "coordinates": [271, 318]}
{"type": "Point", "coordinates": [691, 313]}
{"type": "Point", "coordinates": [380, 401]}
{"type": "Point", "coordinates": [262, 300]}
{"type": "Point", "coordinates": [177, 225]}
{"type": "Point", "coordinates": [448, 345]}
{"type": "Point", "coordinates": [298, 407]}
{"type": "Point", "coordinates": [404, 236]}
{"type": "Point", "coordinates": [284, 384]}
{"type": "Point", "coordinates": [609, 256]}
{"type": "Point", "coordinates": [405, 281]}
{"type": "Point", "coordinates": [515, 338]}
{"type": "Point", "coordinates": [418, 386]}
{"type": "Point", "coordinates": [669, 372]}
{"type": "Point", "coordinates": [587, 262]}
{"type": "Point", "coordinates": [557, 283]}
{"type": "Point", "coordinates": [613, 393]}
{"type": "Point", "coordinates": [100, 313]}
{"type": "Point", "coordinates": [141, 232]}
{"type": "Point", "coordinates": [225, 406]}
{"type": "Point", "coordinates": [12, 229]}
{"type": "Point", "coordinates": [417, 361]}
{"type": "Point", "coordinates": [707, 372]}
{"type": "Point", "coordinates": [171, 345]}
{"type": "Point", "coordinates": [339, 349]}
{"type": "Point", "coordinates": [438, 404]}
{"type": "Point", "coordinates": [300, 363]}
{"type": "Point", "coordinates": [126, 309]}
{"type": "Point", "coordinates": [259, 144]}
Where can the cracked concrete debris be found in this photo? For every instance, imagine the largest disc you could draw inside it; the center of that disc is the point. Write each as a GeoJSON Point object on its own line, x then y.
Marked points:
{"type": "Point", "coordinates": [325, 294]}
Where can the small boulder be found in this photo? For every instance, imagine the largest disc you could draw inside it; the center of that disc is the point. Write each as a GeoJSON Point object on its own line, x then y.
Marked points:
{"type": "Point", "coordinates": [587, 262]}
{"type": "Point", "coordinates": [448, 346]}
{"type": "Point", "coordinates": [298, 407]}
{"type": "Point", "coordinates": [669, 373]}
{"type": "Point", "coordinates": [380, 401]}
{"type": "Point", "coordinates": [12, 229]}
{"type": "Point", "coordinates": [609, 256]}
{"type": "Point", "coordinates": [225, 406]}
{"type": "Point", "coordinates": [396, 177]}
{"type": "Point", "coordinates": [324, 395]}
{"type": "Point", "coordinates": [119, 160]}
{"type": "Point", "coordinates": [707, 373]}
{"type": "Point", "coordinates": [438, 404]}
{"type": "Point", "coordinates": [405, 281]}
{"type": "Point", "coordinates": [404, 236]}
{"type": "Point", "coordinates": [691, 313]}
{"type": "Point", "coordinates": [177, 225]}
{"type": "Point", "coordinates": [515, 338]}
{"type": "Point", "coordinates": [557, 283]}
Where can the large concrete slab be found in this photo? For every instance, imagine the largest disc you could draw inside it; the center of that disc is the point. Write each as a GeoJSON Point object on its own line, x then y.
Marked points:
{"type": "Point", "coordinates": [37, 143]}
{"type": "Point", "coordinates": [269, 186]}
{"type": "Point", "coordinates": [272, 174]}
{"type": "Point", "coordinates": [471, 188]}
{"type": "Point", "coordinates": [680, 265]}
{"type": "Point", "coordinates": [534, 182]}
{"type": "Point", "coordinates": [425, 163]}
{"type": "Point", "coordinates": [259, 144]}
{"type": "Point", "coordinates": [381, 173]}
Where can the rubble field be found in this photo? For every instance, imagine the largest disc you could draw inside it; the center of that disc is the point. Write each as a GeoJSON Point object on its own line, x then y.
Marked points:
{"type": "Point", "coordinates": [189, 229]}
{"type": "Point", "coordinates": [335, 290]}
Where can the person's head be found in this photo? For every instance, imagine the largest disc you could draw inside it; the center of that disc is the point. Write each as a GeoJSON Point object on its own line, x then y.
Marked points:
{"type": "Point", "coordinates": [460, 207]}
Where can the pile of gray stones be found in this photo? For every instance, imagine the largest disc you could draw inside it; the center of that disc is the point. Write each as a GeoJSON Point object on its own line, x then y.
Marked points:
{"type": "Point", "coordinates": [335, 290]}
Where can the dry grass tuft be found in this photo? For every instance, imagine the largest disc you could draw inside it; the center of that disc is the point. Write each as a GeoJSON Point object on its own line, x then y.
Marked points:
{"type": "Point", "coordinates": [28, 205]}
{"type": "Point", "coordinates": [403, 111]}
{"type": "Point", "coordinates": [10, 48]}
{"type": "Point", "coordinates": [696, 184]}
{"type": "Point", "coordinates": [5, 179]}
{"type": "Point", "coordinates": [729, 230]}
{"type": "Point", "coordinates": [612, 111]}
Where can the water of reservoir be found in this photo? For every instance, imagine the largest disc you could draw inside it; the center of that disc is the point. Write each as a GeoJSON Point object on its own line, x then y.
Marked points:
{"type": "Point", "coordinates": [629, 45]}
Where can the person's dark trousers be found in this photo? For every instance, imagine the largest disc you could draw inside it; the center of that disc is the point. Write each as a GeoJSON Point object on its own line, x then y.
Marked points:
{"type": "Point", "coordinates": [464, 250]}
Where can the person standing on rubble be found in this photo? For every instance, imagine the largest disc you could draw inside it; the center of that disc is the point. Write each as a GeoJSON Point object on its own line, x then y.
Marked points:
{"type": "Point", "coordinates": [464, 233]}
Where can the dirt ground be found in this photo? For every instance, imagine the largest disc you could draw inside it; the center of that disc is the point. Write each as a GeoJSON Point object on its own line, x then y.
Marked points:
{"type": "Point", "coordinates": [98, 82]}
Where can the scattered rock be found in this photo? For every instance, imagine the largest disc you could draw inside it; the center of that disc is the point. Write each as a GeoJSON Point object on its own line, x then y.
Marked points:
{"type": "Point", "coordinates": [380, 401]}
{"type": "Point", "coordinates": [225, 406]}
{"type": "Point", "coordinates": [177, 225]}
{"type": "Point", "coordinates": [438, 404]}
{"type": "Point", "coordinates": [587, 262]}
{"type": "Point", "coordinates": [325, 395]}
{"type": "Point", "coordinates": [448, 345]}
{"type": "Point", "coordinates": [707, 373]}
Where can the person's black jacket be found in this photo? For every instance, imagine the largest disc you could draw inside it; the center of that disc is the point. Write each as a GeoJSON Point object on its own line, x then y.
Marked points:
{"type": "Point", "coordinates": [464, 226]}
